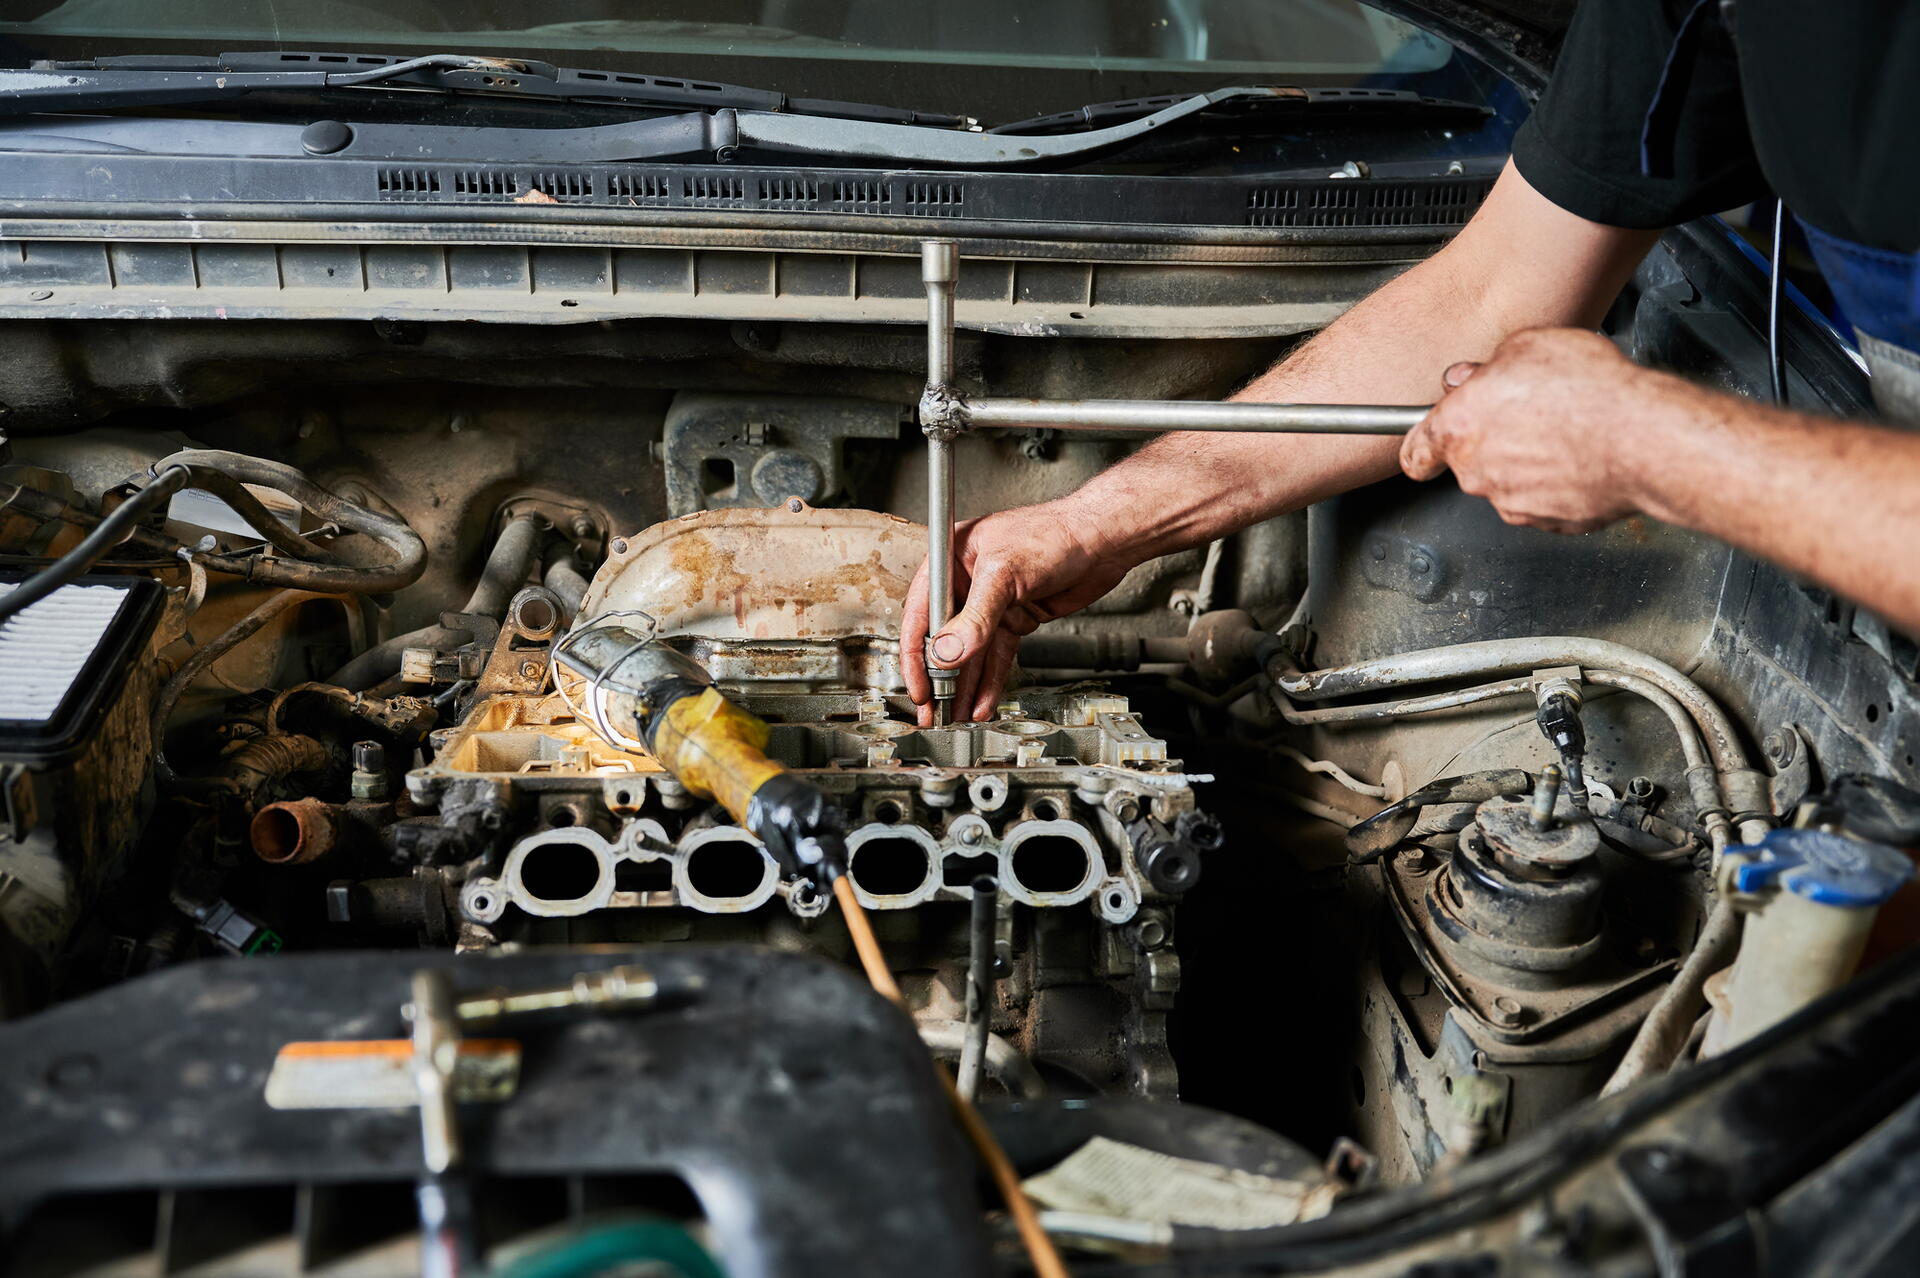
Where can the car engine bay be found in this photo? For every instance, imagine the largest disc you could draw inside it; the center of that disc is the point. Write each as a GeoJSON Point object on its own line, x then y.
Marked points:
{"type": "Point", "coordinates": [1365, 843]}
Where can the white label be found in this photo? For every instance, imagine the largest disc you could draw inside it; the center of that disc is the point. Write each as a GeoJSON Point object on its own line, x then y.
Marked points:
{"type": "Point", "coordinates": [378, 1074]}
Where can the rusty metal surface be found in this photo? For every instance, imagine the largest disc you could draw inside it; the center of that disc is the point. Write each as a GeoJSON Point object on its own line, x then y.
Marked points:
{"type": "Point", "coordinates": [788, 572]}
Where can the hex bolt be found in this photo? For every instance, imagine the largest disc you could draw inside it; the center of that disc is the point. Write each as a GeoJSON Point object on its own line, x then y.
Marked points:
{"type": "Point", "coordinates": [1640, 789]}
{"type": "Point", "coordinates": [1546, 792]}
{"type": "Point", "coordinates": [529, 670]}
{"type": "Point", "coordinates": [1508, 1012]}
{"type": "Point", "coordinates": [1412, 860]}
{"type": "Point", "coordinates": [369, 780]}
{"type": "Point", "coordinates": [581, 527]}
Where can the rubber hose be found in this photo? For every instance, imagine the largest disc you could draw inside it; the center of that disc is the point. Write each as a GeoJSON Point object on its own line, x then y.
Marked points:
{"type": "Point", "coordinates": [409, 553]}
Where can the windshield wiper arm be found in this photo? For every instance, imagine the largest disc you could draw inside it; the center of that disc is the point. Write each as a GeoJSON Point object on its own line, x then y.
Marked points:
{"type": "Point", "coordinates": [1098, 115]}
{"type": "Point", "coordinates": [149, 80]}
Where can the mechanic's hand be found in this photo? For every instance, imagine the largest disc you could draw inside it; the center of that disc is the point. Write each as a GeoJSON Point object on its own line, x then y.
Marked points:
{"type": "Point", "coordinates": [1540, 429]}
{"type": "Point", "coordinates": [1015, 569]}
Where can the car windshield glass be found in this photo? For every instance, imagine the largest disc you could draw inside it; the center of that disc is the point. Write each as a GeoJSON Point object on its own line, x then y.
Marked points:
{"type": "Point", "coordinates": [1227, 38]}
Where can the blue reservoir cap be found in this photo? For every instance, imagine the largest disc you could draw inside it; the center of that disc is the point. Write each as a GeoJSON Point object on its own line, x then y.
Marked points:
{"type": "Point", "coordinates": [1830, 869]}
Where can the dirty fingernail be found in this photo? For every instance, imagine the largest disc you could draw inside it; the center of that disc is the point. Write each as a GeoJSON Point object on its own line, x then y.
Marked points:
{"type": "Point", "coordinates": [948, 647]}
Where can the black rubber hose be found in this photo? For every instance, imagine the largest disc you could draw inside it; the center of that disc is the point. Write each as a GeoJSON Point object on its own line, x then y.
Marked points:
{"type": "Point", "coordinates": [215, 467]}
{"type": "Point", "coordinates": [92, 548]}
{"type": "Point", "coordinates": [505, 572]}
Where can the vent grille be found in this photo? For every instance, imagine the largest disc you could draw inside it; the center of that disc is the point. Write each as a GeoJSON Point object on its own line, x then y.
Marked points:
{"type": "Point", "coordinates": [563, 185]}
{"type": "Point", "coordinates": [922, 196]}
{"type": "Point", "coordinates": [640, 188]}
{"type": "Point", "coordinates": [1365, 202]}
{"type": "Point", "coordinates": [789, 191]}
{"type": "Point", "coordinates": [716, 190]}
{"type": "Point", "coordinates": [403, 184]}
{"type": "Point", "coordinates": [863, 197]}
{"type": "Point", "coordinates": [484, 184]}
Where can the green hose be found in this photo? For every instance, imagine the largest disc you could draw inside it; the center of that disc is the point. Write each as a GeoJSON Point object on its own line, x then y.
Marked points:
{"type": "Point", "coordinates": [603, 1249]}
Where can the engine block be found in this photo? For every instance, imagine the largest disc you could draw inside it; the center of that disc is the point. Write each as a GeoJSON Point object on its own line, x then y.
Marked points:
{"type": "Point", "coordinates": [1065, 800]}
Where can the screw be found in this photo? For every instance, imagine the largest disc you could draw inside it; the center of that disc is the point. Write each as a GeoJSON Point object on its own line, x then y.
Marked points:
{"type": "Point", "coordinates": [1378, 550]}
{"type": "Point", "coordinates": [1779, 746]}
{"type": "Point", "coordinates": [1419, 565]}
{"type": "Point", "coordinates": [1545, 792]}
{"type": "Point", "coordinates": [40, 295]}
{"type": "Point", "coordinates": [1509, 1013]}
{"type": "Point", "coordinates": [619, 546]}
{"type": "Point", "coordinates": [970, 835]}
{"type": "Point", "coordinates": [1412, 860]}
{"type": "Point", "coordinates": [369, 756]}
{"type": "Point", "coordinates": [795, 505]}
{"type": "Point", "coordinates": [1640, 789]}
{"type": "Point", "coordinates": [529, 670]}
{"type": "Point", "coordinates": [581, 527]}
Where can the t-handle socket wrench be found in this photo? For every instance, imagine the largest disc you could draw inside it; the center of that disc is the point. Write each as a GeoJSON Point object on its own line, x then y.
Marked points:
{"type": "Point", "coordinates": [946, 414]}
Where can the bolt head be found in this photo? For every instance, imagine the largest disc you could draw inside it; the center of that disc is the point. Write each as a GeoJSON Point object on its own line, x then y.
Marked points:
{"type": "Point", "coordinates": [1509, 1012]}
{"type": "Point", "coordinates": [619, 546]}
{"type": "Point", "coordinates": [529, 670]}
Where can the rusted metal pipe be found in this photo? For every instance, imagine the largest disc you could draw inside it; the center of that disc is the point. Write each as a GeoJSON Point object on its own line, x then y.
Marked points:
{"type": "Point", "coordinates": [294, 832]}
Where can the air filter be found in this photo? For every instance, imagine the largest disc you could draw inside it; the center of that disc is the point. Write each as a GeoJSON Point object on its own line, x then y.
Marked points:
{"type": "Point", "coordinates": [63, 660]}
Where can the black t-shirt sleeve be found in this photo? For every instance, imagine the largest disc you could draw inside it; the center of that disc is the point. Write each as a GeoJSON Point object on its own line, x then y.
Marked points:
{"type": "Point", "coordinates": [1582, 147]}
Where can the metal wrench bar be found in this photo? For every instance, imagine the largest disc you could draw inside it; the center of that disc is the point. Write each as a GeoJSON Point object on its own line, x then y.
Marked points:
{"type": "Point", "coordinates": [945, 414]}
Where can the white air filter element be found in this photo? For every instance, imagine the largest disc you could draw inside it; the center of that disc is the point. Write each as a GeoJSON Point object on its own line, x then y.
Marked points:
{"type": "Point", "coordinates": [45, 648]}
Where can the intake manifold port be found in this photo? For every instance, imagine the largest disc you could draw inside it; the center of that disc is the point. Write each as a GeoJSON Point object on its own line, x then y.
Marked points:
{"type": "Point", "coordinates": [893, 866]}
{"type": "Point", "coordinates": [1050, 862]}
{"type": "Point", "coordinates": [560, 872]}
{"type": "Point", "coordinates": [724, 870]}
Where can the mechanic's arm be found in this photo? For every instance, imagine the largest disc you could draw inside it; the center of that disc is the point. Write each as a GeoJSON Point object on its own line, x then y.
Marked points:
{"type": "Point", "coordinates": [1522, 262]}
{"type": "Point", "coordinates": [1561, 431]}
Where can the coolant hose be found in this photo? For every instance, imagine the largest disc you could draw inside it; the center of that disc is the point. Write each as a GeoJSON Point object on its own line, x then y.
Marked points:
{"type": "Point", "coordinates": [507, 567]}
{"type": "Point", "coordinates": [221, 473]}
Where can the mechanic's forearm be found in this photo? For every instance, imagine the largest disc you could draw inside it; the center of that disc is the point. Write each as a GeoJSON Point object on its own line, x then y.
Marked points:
{"type": "Point", "coordinates": [1189, 487]}
{"type": "Point", "coordinates": [1837, 502]}
{"type": "Point", "coordinates": [1521, 263]}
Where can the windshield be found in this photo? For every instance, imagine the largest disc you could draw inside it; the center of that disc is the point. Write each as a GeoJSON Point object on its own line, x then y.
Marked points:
{"type": "Point", "coordinates": [1220, 37]}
